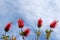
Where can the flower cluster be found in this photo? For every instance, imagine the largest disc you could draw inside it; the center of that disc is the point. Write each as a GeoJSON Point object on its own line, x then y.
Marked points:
{"type": "Point", "coordinates": [52, 25]}
{"type": "Point", "coordinates": [48, 32]}
{"type": "Point", "coordinates": [21, 25]}
{"type": "Point", "coordinates": [26, 32]}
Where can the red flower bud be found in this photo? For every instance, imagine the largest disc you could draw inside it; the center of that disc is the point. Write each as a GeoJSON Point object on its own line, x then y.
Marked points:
{"type": "Point", "coordinates": [39, 23]}
{"type": "Point", "coordinates": [7, 27]}
{"type": "Point", "coordinates": [26, 32]}
{"type": "Point", "coordinates": [53, 24]}
{"type": "Point", "coordinates": [20, 23]}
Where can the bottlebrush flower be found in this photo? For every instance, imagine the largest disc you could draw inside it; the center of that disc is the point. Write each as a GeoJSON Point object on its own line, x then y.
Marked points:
{"type": "Point", "coordinates": [7, 28]}
{"type": "Point", "coordinates": [25, 32]}
{"type": "Point", "coordinates": [39, 23]}
{"type": "Point", "coordinates": [20, 23]}
{"type": "Point", "coordinates": [53, 24]}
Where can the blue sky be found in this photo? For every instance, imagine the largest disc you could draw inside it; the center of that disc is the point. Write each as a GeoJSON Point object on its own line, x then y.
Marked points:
{"type": "Point", "coordinates": [30, 11]}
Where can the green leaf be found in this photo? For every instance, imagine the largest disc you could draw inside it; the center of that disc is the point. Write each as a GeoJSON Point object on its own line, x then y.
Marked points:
{"type": "Point", "coordinates": [5, 37]}
{"type": "Point", "coordinates": [46, 31]}
{"type": "Point", "coordinates": [38, 33]}
{"type": "Point", "coordinates": [22, 33]}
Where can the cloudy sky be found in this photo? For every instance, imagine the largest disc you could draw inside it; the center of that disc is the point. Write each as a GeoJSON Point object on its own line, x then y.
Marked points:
{"type": "Point", "coordinates": [30, 11]}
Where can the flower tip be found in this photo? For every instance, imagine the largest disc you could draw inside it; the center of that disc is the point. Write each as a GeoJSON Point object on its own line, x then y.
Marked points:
{"type": "Point", "coordinates": [26, 31]}
{"type": "Point", "coordinates": [8, 27]}
{"type": "Point", "coordinates": [53, 24]}
{"type": "Point", "coordinates": [20, 23]}
{"type": "Point", "coordinates": [39, 23]}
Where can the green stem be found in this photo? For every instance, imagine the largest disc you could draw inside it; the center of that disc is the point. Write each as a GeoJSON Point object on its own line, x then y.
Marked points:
{"type": "Point", "coordinates": [48, 34]}
{"type": "Point", "coordinates": [22, 36]}
{"type": "Point", "coordinates": [38, 34]}
{"type": "Point", "coordinates": [47, 39]}
{"type": "Point", "coordinates": [5, 37]}
{"type": "Point", "coordinates": [21, 30]}
{"type": "Point", "coordinates": [5, 33]}
{"type": "Point", "coordinates": [37, 38]}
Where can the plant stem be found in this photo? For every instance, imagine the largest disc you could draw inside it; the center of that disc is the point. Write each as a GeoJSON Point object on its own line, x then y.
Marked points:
{"type": "Point", "coordinates": [38, 34]}
{"type": "Point", "coordinates": [22, 36]}
{"type": "Point", "coordinates": [5, 37]}
{"type": "Point", "coordinates": [5, 33]}
{"type": "Point", "coordinates": [21, 30]}
{"type": "Point", "coordinates": [37, 38]}
{"type": "Point", "coordinates": [47, 39]}
{"type": "Point", "coordinates": [48, 34]}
